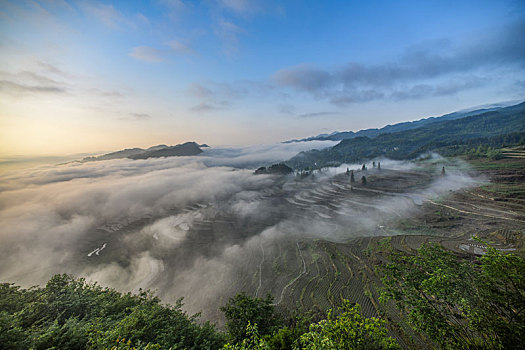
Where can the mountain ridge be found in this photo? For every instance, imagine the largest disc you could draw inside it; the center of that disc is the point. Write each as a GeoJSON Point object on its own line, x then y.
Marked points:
{"type": "Point", "coordinates": [503, 126]}
{"type": "Point", "coordinates": [402, 126]}
{"type": "Point", "coordinates": [185, 149]}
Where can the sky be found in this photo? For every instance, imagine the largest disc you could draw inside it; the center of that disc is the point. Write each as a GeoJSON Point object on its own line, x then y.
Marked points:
{"type": "Point", "coordinates": [92, 76]}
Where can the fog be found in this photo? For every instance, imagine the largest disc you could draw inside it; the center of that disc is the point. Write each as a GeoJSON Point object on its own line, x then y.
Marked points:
{"type": "Point", "coordinates": [190, 226]}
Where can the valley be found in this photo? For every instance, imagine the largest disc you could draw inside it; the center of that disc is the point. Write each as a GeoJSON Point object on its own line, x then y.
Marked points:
{"type": "Point", "coordinates": [312, 242]}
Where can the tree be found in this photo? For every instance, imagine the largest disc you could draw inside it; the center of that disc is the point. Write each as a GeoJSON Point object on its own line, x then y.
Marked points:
{"type": "Point", "coordinates": [252, 341]}
{"type": "Point", "coordinates": [352, 178]}
{"type": "Point", "coordinates": [349, 330]}
{"type": "Point", "coordinates": [457, 303]}
{"type": "Point", "coordinates": [363, 180]}
{"type": "Point", "coordinates": [70, 313]}
{"type": "Point", "coordinates": [242, 310]}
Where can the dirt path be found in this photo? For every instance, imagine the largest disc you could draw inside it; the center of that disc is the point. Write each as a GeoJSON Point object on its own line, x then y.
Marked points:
{"type": "Point", "coordinates": [260, 272]}
{"type": "Point", "coordinates": [473, 213]}
{"type": "Point", "coordinates": [295, 279]}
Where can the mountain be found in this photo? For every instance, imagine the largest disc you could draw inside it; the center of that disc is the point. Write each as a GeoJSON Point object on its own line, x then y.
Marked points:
{"type": "Point", "coordinates": [155, 148]}
{"type": "Point", "coordinates": [125, 153]}
{"type": "Point", "coordinates": [503, 126]}
{"type": "Point", "coordinates": [275, 169]}
{"type": "Point", "coordinates": [185, 149]}
{"type": "Point", "coordinates": [371, 133]}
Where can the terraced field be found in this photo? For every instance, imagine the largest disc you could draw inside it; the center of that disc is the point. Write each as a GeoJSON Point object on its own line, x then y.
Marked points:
{"type": "Point", "coordinates": [312, 242]}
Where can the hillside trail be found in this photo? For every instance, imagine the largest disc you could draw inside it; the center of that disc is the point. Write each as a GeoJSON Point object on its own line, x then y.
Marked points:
{"type": "Point", "coordinates": [260, 271]}
{"type": "Point", "coordinates": [473, 213]}
{"type": "Point", "coordinates": [295, 279]}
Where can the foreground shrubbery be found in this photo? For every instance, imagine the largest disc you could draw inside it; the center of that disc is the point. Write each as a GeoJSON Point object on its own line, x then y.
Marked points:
{"type": "Point", "coordinates": [458, 303]}
{"type": "Point", "coordinates": [343, 329]}
{"type": "Point", "coordinates": [70, 313]}
{"type": "Point", "coordinates": [455, 302]}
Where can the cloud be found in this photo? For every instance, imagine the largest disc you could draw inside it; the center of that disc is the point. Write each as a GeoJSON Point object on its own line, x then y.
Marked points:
{"type": "Point", "coordinates": [173, 4]}
{"type": "Point", "coordinates": [249, 8]}
{"type": "Point", "coordinates": [142, 19]}
{"type": "Point", "coordinates": [213, 96]}
{"type": "Point", "coordinates": [435, 68]}
{"type": "Point", "coordinates": [148, 54]}
{"type": "Point", "coordinates": [443, 89]}
{"type": "Point", "coordinates": [107, 14]}
{"type": "Point", "coordinates": [180, 48]}
{"type": "Point", "coordinates": [229, 33]}
{"type": "Point", "coordinates": [304, 77]}
{"type": "Point", "coordinates": [28, 82]}
{"type": "Point", "coordinates": [140, 116]}
{"type": "Point", "coordinates": [204, 107]}
{"type": "Point", "coordinates": [241, 6]}
{"type": "Point", "coordinates": [16, 88]}
{"type": "Point", "coordinates": [182, 225]}
{"type": "Point", "coordinates": [316, 114]}
{"type": "Point", "coordinates": [52, 69]}
{"type": "Point", "coordinates": [106, 93]}
{"type": "Point", "coordinates": [199, 91]}
{"type": "Point", "coordinates": [286, 109]}
{"type": "Point", "coordinates": [154, 55]}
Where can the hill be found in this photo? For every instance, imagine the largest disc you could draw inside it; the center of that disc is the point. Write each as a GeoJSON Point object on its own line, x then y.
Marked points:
{"type": "Point", "coordinates": [185, 149]}
{"type": "Point", "coordinates": [505, 126]}
{"type": "Point", "coordinates": [373, 132]}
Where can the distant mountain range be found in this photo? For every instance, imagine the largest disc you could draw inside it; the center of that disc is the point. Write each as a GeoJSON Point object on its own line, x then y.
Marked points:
{"type": "Point", "coordinates": [448, 134]}
{"type": "Point", "coordinates": [185, 149]}
{"type": "Point", "coordinates": [371, 133]}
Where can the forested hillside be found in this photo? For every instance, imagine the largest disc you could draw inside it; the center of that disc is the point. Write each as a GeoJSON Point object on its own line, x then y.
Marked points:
{"type": "Point", "coordinates": [474, 304]}
{"type": "Point", "coordinates": [496, 128]}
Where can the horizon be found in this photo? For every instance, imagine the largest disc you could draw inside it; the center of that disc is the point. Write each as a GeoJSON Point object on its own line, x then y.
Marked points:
{"type": "Point", "coordinates": [92, 77]}
{"type": "Point", "coordinates": [66, 157]}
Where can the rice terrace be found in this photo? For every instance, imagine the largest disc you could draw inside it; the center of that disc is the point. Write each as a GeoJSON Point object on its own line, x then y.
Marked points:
{"type": "Point", "coordinates": [262, 174]}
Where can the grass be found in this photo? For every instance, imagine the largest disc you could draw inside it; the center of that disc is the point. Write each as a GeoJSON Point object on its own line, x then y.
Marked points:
{"type": "Point", "coordinates": [507, 190]}
{"type": "Point", "coordinates": [485, 164]}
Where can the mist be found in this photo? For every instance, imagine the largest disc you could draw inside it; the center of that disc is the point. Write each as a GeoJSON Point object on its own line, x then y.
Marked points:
{"type": "Point", "coordinates": [193, 227]}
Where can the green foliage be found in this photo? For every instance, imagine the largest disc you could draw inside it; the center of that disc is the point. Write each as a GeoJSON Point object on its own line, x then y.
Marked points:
{"type": "Point", "coordinates": [484, 151]}
{"type": "Point", "coordinates": [457, 303]}
{"type": "Point", "coordinates": [70, 313]}
{"type": "Point", "coordinates": [252, 340]}
{"type": "Point", "coordinates": [348, 330]}
{"type": "Point", "coordinates": [242, 310]}
{"type": "Point", "coordinates": [449, 137]}
{"type": "Point", "coordinates": [286, 337]}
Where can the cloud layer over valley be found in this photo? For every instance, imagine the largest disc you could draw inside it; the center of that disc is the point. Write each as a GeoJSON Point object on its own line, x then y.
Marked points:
{"type": "Point", "coordinates": [188, 225]}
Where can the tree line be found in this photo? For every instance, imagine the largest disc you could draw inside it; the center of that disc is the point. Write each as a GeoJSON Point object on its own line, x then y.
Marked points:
{"type": "Point", "coordinates": [452, 301]}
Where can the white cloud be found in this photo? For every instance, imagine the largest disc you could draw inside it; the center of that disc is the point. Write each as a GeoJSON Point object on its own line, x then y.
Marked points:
{"type": "Point", "coordinates": [148, 54]}
{"type": "Point", "coordinates": [180, 48]}
{"type": "Point", "coordinates": [107, 14]}
{"type": "Point", "coordinates": [229, 33]}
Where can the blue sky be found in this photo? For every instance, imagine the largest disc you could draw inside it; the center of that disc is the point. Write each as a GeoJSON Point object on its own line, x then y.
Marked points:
{"type": "Point", "coordinates": [87, 76]}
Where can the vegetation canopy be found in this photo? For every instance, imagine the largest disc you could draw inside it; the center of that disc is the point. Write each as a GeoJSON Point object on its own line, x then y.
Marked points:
{"type": "Point", "coordinates": [460, 303]}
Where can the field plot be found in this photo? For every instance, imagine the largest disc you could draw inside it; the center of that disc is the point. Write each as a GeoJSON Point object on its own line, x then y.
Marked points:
{"type": "Point", "coordinates": [309, 242]}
